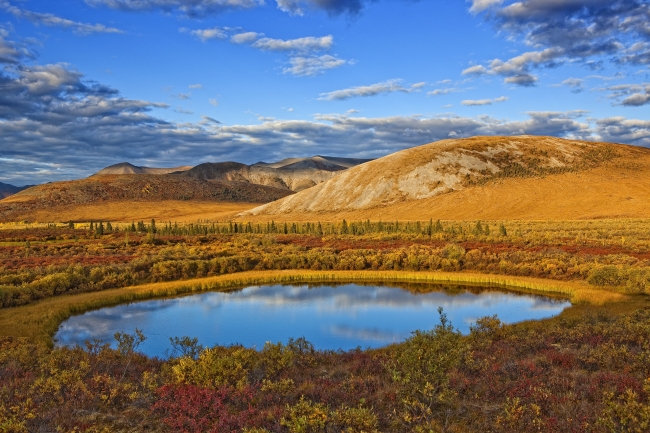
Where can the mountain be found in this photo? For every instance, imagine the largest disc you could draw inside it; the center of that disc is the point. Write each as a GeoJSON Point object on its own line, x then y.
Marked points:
{"type": "Point", "coordinates": [522, 177]}
{"type": "Point", "coordinates": [128, 168]}
{"type": "Point", "coordinates": [291, 174]}
{"type": "Point", "coordinates": [49, 200]}
{"type": "Point", "coordinates": [329, 163]}
{"type": "Point", "coordinates": [6, 190]}
{"type": "Point", "coordinates": [125, 191]}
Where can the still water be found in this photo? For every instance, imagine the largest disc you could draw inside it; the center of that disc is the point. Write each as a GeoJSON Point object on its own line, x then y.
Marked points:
{"type": "Point", "coordinates": [330, 317]}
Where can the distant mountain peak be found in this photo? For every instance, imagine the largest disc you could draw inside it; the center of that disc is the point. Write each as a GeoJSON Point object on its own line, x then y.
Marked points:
{"type": "Point", "coordinates": [128, 168]}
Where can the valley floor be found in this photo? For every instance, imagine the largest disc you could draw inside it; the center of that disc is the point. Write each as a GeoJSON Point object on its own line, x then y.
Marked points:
{"type": "Point", "coordinates": [586, 370]}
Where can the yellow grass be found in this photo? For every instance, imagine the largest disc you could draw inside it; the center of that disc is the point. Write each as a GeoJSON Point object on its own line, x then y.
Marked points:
{"type": "Point", "coordinates": [128, 211]}
{"type": "Point", "coordinates": [38, 322]}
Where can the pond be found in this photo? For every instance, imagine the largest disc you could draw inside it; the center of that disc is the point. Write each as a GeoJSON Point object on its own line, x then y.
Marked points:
{"type": "Point", "coordinates": [332, 317]}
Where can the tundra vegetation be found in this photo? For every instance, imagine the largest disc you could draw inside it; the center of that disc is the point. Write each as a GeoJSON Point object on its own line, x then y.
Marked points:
{"type": "Point", "coordinates": [587, 370]}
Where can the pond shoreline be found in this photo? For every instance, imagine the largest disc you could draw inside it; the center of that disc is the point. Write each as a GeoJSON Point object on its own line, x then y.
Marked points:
{"type": "Point", "coordinates": [39, 322]}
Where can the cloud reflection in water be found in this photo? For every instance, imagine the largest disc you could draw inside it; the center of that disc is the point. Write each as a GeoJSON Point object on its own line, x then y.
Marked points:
{"type": "Point", "coordinates": [342, 317]}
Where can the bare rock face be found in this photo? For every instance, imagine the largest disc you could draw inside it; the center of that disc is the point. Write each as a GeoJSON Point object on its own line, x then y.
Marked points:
{"type": "Point", "coordinates": [441, 167]}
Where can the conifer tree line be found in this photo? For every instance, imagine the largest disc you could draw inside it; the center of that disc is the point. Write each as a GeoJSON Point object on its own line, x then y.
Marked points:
{"type": "Point", "coordinates": [316, 229]}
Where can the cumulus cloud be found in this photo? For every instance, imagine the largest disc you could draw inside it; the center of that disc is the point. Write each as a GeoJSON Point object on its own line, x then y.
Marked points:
{"type": "Point", "coordinates": [621, 130]}
{"type": "Point", "coordinates": [332, 7]}
{"type": "Point", "coordinates": [479, 102]}
{"type": "Point", "coordinates": [54, 21]}
{"type": "Point", "coordinates": [517, 69]}
{"type": "Point", "coordinates": [637, 99]}
{"type": "Point", "coordinates": [213, 101]}
{"type": "Point", "coordinates": [56, 124]}
{"type": "Point", "coordinates": [634, 95]}
{"type": "Point", "coordinates": [384, 87]}
{"type": "Point", "coordinates": [11, 51]}
{"type": "Point", "coordinates": [476, 102]}
{"type": "Point", "coordinates": [481, 5]}
{"type": "Point", "coordinates": [561, 31]}
{"type": "Point", "coordinates": [190, 8]}
{"type": "Point", "coordinates": [575, 84]}
{"type": "Point", "coordinates": [438, 92]}
{"type": "Point", "coordinates": [207, 34]}
{"type": "Point", "coordinates": [309, 43]}
{"type": "Point", "coordinates": [312, 65]}
{"type": "Point", "coordinates": [303, 52]}
{"type": "Point", "coordinates": [245, 38]}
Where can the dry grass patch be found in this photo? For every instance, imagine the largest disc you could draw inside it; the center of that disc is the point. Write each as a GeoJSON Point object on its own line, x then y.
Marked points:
{"type": "Point", "coordinates": [128, 211]}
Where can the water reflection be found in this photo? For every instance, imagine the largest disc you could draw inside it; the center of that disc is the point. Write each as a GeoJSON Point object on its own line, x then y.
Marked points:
{"type": "Point", "coordinates": [331, 317]}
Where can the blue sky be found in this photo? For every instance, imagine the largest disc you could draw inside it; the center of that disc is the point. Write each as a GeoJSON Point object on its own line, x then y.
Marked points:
{"type": "Point", "coordinates": [89, 83]}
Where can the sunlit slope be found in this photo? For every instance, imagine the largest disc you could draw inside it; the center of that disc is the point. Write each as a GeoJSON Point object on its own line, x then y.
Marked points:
{"type": "Point", "coordinates": [482, 178]}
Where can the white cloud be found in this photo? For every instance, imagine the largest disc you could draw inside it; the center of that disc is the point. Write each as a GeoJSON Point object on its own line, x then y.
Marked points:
{"type": "Point", "coordinates": [291, 6]}
{"type": "Point", "coordinates": [332, 7]}
{"type": "Point", "coordinates": [481, 5]}
{"type": "Point", "coordinates": [478, 102]}
{"type": "Point", "coordinates": [303, 58]}
{"type": "Point", "coordinates": [213, 101]}
{"type": "Point", "coordinates": [637, 99]}
{"type": "Point", "coordinates": [309, 43]}
{"type": "Point", "coordinates": [207, 34]}
{"type": "Point", "coordinates": [474, 102]}
{"type": "Point", "coordinates": [195, 86]}
{"type": "Point", "coordinates": [54, 21]}
{"type": "Point", "coordinates": [361, 91]}
{"type": "Point", "coordinates": [313, 65]}
{"type": "Point", "coordinates": [438, 92]}
{"type": "Point", "coordinates": [576, 84]}
{"type": "Point", "coordinates": [191, 8]}
{"type": "Point", "coordinates": [245, 38]}
{"type": "Point", "coordinates": [517, 69]}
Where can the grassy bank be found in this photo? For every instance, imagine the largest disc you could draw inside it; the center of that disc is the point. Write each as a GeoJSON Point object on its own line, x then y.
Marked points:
{"type": "Point", "coordinates": [39, 321]}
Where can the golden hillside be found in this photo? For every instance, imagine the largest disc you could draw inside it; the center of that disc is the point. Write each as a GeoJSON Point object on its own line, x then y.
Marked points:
{"type": "Point", "coordinates": [136, 196]}
{"type": "Point", "coordinates": [520, 177]}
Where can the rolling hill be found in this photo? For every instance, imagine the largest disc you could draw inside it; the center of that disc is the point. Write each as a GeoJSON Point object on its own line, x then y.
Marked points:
{"type": "Point", "coordinates": [60, 201]}
{"type": "Point", "coordinates": [522, 177]}
{"type": "Point", "coordinates": [124, 192]}
{"type": "Point", "coordinates": [128, 168]}
{"type": "Point", "coordinates": [291, 174]}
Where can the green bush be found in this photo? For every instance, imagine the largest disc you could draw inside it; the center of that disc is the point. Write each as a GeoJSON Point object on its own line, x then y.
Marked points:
{"type": "Point", "coordinates": [605, 276]}
{"type": "Point", "coordinates": [638, 281]}
{"type": "Point", "coordinates": [421, 370]}
{"type": "Point", "coordinates": [453, 252]}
